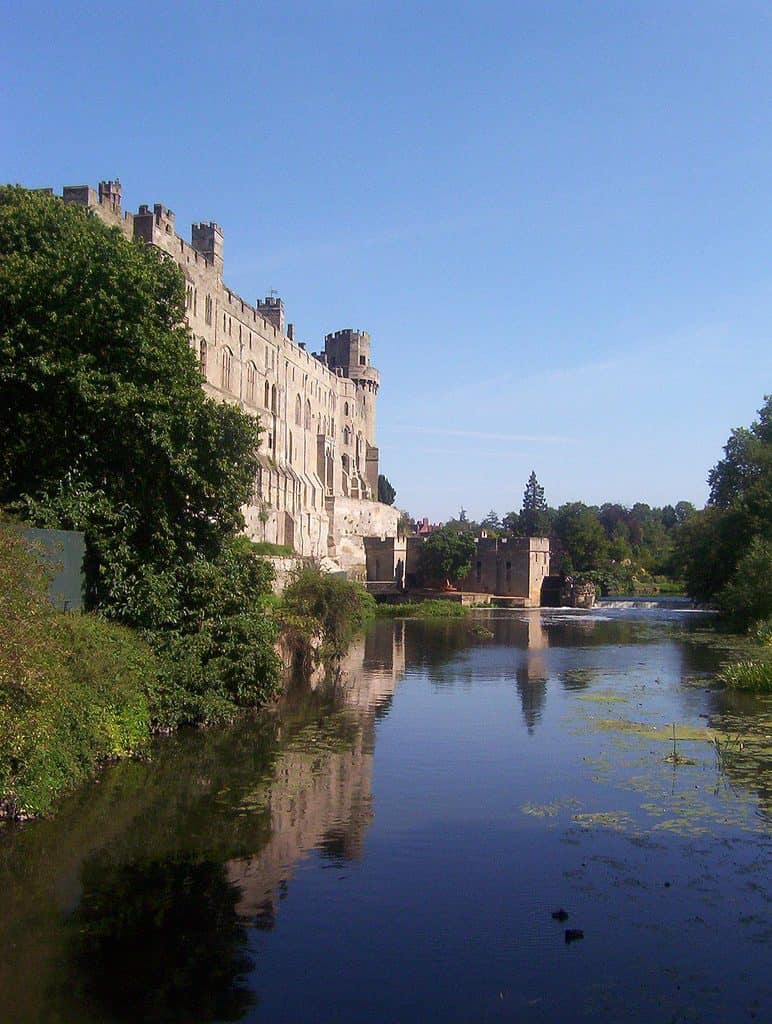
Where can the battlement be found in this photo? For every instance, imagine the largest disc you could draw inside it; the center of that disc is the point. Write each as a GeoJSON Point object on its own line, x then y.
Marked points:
{"type": "Point", "coordinates": [271, 308]}
{"type": "Point", "coordinates": [347, 334]}
{"type": "Point", "coordinates": [110, 195]}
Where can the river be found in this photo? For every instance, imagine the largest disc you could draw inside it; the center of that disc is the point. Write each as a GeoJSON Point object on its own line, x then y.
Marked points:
{"type": "Point", "coordinates": [395, 848]}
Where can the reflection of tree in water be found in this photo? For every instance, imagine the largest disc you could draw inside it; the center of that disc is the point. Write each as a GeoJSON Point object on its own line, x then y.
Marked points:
{"type": "Point", "coordinates": [574, 630]}
{"type": "Point", "coordinates": [176, 857]}
{"type": "Point", "coordinates": [432, 645]}
{"type": "Point", "coordinates": [159, 941]}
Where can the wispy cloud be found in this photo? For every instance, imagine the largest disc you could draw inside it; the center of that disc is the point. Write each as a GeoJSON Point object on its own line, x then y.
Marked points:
{"type": "Point", "coordinates": [318, 250]}
{"type": "Point", "coordinates": [541, 377]}
{"type": "Point", "coordinates": [482, 435]}
{"type": "Point", "coordinates": [466, 452]}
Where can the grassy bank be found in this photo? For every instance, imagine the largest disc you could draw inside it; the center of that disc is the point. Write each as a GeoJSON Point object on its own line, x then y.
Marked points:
{"type": "Point", "coordinates": [433, 609]}
{"type": "Point", "coordinates": [753, 672]}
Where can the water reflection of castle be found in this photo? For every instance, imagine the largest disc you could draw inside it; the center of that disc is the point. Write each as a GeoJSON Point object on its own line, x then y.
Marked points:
{"type": "Point", "coordinates": [319, 794]}
{"type": "Point", "coordinates": [531, 673]}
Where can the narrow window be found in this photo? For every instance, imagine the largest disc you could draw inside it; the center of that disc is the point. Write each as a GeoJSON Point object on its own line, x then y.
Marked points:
{"type": "Point", "coordinates": [226, 369]}
{"type": "Point", "coordinates": [202, 357]}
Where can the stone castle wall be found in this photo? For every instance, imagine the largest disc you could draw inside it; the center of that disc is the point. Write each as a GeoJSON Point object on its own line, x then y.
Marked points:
{"type": "Point", "coordinates": [317, 411]}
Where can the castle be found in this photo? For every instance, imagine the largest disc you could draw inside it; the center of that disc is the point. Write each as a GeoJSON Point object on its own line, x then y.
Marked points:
{"type": "Point", "coordinates": [317, 485]}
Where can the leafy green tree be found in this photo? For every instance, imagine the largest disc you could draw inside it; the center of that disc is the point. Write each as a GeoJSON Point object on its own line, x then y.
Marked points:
{"type": "Point", "coordinates": [491, 522]}
{"type": "Point", "coordinates": [721, 548]}
{"type": "Point", "coordinates": [386, 492]}
{"type": "Point", "coordinates": [447, 554]}
{"type": "Point", "coordinates": [102, 416]}
{"type": "Point", "coordinates": [512, 523]}
{"type": "Point", "coordinates": [104, 427]}
{"type": "Point", "coordinates": [619, 549]}
{"type": "Point", "coordinates": [683, 511]}
{"type": "Point", "coordinates": [747, 597]}
{"type": "Point", "coordinates": [581, 535]}
{"type": "Point", "coordinates": [463, 524]}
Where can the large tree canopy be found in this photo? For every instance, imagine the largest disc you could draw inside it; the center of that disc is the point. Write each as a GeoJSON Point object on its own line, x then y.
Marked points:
{"type": "Point", "coordinates": [447, 554]}
{"type": "Point", "coordinates": [103, 421]}
{"type": "Point", "coordinates": [726, 551]}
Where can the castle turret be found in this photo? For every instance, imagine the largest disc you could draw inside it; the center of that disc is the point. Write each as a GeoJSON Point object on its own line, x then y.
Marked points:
{"type": "Point", "coordinates": [110, 196]}
{"type": "Point", "coordinates": [347, 352]}
{"type": "Point", "coordinates": [271, 308]}
{"type": "Point", "coordinates": [207, 238]}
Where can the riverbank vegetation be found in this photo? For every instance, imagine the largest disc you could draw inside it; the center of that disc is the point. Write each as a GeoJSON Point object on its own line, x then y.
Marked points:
{"type": "Point", "coordinates": [105, 428]}
{"type": "Point", "coordinates": [318, 615]}
{"type": "Point", "coordinates": [436, 608]}
{"type": "Point", "coordinates": [725, 551]}
{"type": "Point", "coordinates": [74, 690]}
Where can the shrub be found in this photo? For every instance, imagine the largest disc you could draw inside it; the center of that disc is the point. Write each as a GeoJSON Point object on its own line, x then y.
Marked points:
{"type": "Point", "coordinates": [265, 547]}
{"type": "Point", "coordinates": [748, 675]}
{"type": "Point", "coordinates": [70, 700]}
{"type": "Point", "coordinates": [761, 632]}
{"type": "Point", "coordinates": [329, 606]}
{"type": "Point", "coordinates": [747, 597]}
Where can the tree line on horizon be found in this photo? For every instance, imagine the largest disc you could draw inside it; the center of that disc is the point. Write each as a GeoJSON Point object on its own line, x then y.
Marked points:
{"type": "Point", "coordinates": [722, 554]}
{"type": "Point", "coordinates": [611, 543]}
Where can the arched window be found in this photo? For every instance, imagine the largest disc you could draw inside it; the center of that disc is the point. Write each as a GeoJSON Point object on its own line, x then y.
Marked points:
{"type": "Point", "coordinates": [359, 449]}
{"type": "Point", "coordinates": [298, 412]}
{"type": "Point", "coordinates": [251, 380]}
{"type": "Point", "coordinates": [346, 436]}
{"type": "Point", "coordinates": [202, 357]}
{"type": "Point", "coordinates": [273, 399]}
{"type": "Point", "coordinates": [267, 396]}
{"type": "Point", "coordinates": [225, 377]}
{"type": "Point", "coordinates": [289, 445]}
{"type": "Point", "coordinates": [307, 423]}
{"type": "Point", "coordinates": [345, 409]}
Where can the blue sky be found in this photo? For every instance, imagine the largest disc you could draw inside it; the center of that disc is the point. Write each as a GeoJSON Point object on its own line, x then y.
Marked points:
{"type": "Point", "coordinates": [554, 218]}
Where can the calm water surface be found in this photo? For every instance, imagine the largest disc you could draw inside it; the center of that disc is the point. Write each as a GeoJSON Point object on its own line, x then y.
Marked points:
{"type": "Point", "coordinates": [393, 848]}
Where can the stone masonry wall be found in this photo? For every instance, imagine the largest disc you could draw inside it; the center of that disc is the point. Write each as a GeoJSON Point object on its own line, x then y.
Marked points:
{"type": "Point", "coordinates": [318, 420]}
